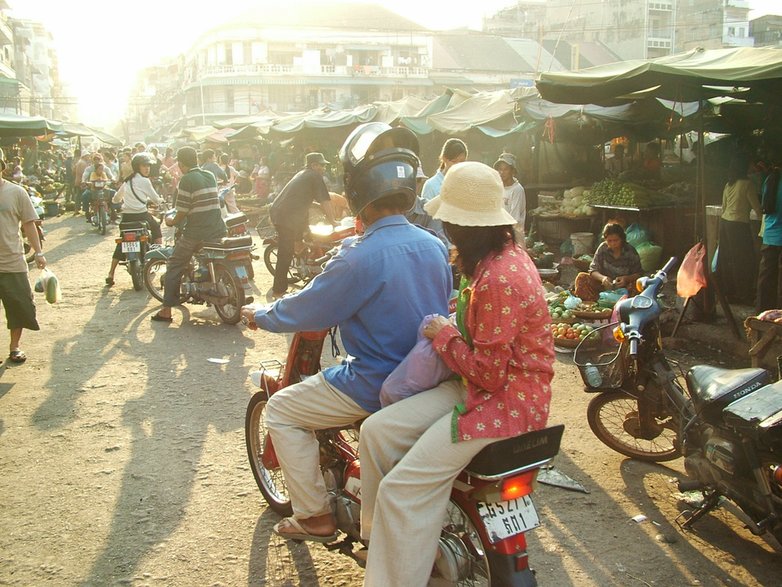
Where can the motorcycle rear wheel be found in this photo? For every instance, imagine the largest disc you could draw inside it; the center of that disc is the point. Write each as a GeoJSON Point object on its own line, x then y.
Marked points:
{"type": "Point", "coordinates": [270, 260]}
{"type": "Point", "coordinates": [231, 311]}
{"type": "Point", "coordinates": [136, 274]}
{"type": "Point", "coordinates": [461, 561]}
{"type": "Point", "coordinates": [613, 416]}
{"type": "Point", "coordinates": [154, 276]}
{"type": "Point", "coordinates": [270, 482]}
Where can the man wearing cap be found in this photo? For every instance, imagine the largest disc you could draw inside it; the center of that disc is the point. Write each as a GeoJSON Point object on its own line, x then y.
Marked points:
{"type": "Point", "coordinates": [515, 199]}
{"type": "Point", "coordinates": [85, 181]}
{"type": "Point", "coordinates": [15, 293]}
{"type": "Point", "coordinates": [290, 214]}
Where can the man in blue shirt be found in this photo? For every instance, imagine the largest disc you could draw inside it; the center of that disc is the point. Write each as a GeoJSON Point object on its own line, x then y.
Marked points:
{"type": "Point", "coordinates": [377, 289]}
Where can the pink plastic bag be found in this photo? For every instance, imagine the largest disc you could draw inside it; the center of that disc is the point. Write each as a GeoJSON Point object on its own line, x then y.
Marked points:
{"type": "Point", "coordinates": [420, 370]}
{"type": "Point", "coordinates": [692, 273]}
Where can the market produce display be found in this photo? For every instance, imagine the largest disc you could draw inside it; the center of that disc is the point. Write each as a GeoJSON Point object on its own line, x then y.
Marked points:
{"type": "Point", "coordinates": [569, 335]}
{"type": "Point", "coordinates": [609, 192]}
{"type": "Point", "coordinates": [571, 204]}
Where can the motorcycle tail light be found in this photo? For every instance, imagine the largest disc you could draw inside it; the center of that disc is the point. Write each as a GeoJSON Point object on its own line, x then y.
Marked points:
{"type": "Point", "coordinates": [143, 238]}
{"type": "Point", "coordinates": [521, 562]}
{"type": "Point", "coordinates": [776, 474]}
{"type": "Point", "coordinates": [130, 236]}
{"type": "Point", "coordinates": [518, 486]}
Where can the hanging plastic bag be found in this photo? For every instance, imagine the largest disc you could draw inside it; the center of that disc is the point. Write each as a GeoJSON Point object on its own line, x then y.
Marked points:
{"type": "Point", "coordinates": [636, 234]}
{"type": "Point", "coordinates": [691, 277]}
{"type": "Point", "coordinates": [420, 370]}
{"type": "Point", "coordinates": [715, 260]}
{"type": "Point", "coordinates": [48, 284]}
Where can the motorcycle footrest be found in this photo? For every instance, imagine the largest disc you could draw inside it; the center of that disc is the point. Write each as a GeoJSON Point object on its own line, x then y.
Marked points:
{"type": "Point", "coordinates": [686, 485]}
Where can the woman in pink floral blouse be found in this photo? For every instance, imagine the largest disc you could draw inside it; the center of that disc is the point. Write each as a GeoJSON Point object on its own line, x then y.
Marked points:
{"type": "Point", "coordinates": [502, 351]}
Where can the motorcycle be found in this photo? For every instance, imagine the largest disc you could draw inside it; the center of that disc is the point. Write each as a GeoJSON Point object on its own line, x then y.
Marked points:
{"type": "Point", "coordinates": [99, 205]}
{"type": "Point", "coordinates": [134, 242]}
{"type": "Point", "coordinates": [310, 254]}
{"type": "Point", "coordinates": [483, 534]}
{"type": "Point", "coordinates": [726, 423]}
{"type": "Point", "coordinates": [216, 275]}
{"type": "Point", "coordinates": [238, 225]}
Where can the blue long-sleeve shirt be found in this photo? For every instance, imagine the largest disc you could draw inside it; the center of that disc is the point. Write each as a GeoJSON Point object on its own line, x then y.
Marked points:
{"type": "Point", "coordinates": [377, 289]}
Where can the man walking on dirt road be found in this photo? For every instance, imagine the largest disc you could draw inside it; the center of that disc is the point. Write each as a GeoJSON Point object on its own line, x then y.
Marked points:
{"type": "Point", "coordinates": [15, 293]}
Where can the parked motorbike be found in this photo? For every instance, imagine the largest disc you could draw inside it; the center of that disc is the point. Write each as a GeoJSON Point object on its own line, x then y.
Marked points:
{"type": "Point", "coordinates": [239, 225]}
{"type": "Point", "coordinates": [483, 534]}
{"type": "Point", "coordinates": [216, 276]}
{"type": "Point", "coordinates": [310, 254]}
{"type": "Point", "coordinates": [727, 423]}
{"type": "Point", "coordinates": [134, 241]}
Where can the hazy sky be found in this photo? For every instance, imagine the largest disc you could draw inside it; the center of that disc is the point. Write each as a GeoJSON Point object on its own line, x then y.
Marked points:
{"type": "Point", "coordinates": [99, 63]}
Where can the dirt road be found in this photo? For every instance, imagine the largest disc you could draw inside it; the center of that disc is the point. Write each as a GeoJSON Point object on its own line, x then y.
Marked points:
{"type": "Point", "coordinates": [123, 461]}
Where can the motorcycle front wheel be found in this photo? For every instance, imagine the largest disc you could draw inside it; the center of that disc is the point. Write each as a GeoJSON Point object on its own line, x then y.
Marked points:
{"type": "Point", "coordinates": [270, 481]}
{"type": "Point", "coordinates": [136, 274]}
{"type": "Point", "coordinates": [103, 220]}
{"type": "Point", "coordinates": [270, 260]}
{"type": "Point", "coordinates": [154, 277]}
{"type": "Point", "coordinates": [231, 311]}
{"type": "Point", "coordinates": [613, 418]}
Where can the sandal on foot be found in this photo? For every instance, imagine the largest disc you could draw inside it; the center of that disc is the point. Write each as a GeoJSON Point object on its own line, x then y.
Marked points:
{"type": "Point", "coordinates": [17, 356]}
{"type": "Point", "coordinates": [299, 533]}
{"type": "Point", "coordinates": [109, 281]}
{"type": "Point", "coordinates": [158, 318]}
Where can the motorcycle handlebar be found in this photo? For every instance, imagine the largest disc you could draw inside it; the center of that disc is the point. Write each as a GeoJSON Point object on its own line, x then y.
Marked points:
{"type": "Point", "coordinates": [669, 265]}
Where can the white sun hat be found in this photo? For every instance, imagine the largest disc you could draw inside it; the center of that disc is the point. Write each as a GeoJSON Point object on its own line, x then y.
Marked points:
{"type": "Point", "coordinates": [471, 195]}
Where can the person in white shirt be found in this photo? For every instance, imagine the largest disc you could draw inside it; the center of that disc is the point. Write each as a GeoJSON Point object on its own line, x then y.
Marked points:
{"type": "Point", "coordinates": [515, 198]}
{"type": "Point", "coordinates": [134, 194]}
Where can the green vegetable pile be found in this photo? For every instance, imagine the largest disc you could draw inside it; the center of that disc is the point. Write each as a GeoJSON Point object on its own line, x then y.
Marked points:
{"type": "Point", "coordinates": [609, 192]}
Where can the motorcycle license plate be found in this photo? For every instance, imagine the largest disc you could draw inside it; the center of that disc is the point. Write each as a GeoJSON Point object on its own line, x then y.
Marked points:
{"type": "Point", "coordinates": [504, 519]}
{"type": "Point", "coordinates": [131, 247]}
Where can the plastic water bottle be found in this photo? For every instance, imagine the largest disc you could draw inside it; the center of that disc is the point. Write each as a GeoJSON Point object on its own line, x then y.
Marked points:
{"type": "Point", "coordinates": [592, 375]}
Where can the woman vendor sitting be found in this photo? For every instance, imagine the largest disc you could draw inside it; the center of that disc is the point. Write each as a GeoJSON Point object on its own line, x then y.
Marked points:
{"type": "Point", "coordinates": [615, 264]}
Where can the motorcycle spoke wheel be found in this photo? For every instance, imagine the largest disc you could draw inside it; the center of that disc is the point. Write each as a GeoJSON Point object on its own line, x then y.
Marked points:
{"type": "Point", "coordinates": [154, 277]}
{"type": "Point", "coordinates": [270, 260]}
{"type": "Point", "coordinates": [230, 312]}
{"type": "Point", "coordinates": [270, 482]}
{"type": "Point", "coordinates": [613, 418]}
{"type": "Point", "coordinates": [462, 560]}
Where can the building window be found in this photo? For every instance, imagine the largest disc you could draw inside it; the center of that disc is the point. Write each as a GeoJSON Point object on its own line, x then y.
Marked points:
{"type": "Point", "coordinates": [229, 54]}
{"type": "Point", "coordinates": [229, 100]}
{"type": "Point", "coordinates": [731, 31]}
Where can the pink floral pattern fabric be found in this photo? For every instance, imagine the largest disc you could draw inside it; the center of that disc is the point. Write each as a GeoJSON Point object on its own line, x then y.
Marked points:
{"type": "Point", "coordinates": [509, 367]}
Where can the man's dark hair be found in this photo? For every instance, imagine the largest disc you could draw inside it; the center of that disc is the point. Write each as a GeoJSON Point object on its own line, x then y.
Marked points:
{"type": "Point", "coordinates": [207, 154]}
{"type": "Point", "coordinates": [188, 157]}
{"type": "Point", "coordinates": [474, 243]}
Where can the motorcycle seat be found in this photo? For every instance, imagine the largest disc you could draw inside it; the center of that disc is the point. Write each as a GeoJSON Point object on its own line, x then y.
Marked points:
{"type": "Point", "coordinates": [517, 454]}
{"type": "Point", "coordinates": [757, 412]}
{"type": "Point", "coordinates": [235, 219]}
{"type": "Point", "coordinates": [133, 225]}
{"type": "Point", "coordinates": [713, 389]}
{"type": "Point", "coordinates": [230, 242]}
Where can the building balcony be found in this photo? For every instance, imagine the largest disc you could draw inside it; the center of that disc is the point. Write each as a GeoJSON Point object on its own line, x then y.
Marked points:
{"type": "Point", "coordinates": [737, 4]}
{"type": "Point", "coordinates": [7, 71]}
{"type": "Point", "coordinates": [732, 41]}
{"type": "Point", "coordinates": [6, 34]}
{"type": "Point", "coordinates": [271, 69]}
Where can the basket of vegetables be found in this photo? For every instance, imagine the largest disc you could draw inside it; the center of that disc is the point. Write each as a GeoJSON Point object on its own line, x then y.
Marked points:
{"type": "Point", "coordinates": [570, 335]}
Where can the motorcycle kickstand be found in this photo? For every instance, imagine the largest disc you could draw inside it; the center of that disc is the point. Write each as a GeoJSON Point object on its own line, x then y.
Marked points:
{"type": "Point", "coordinates": [710, 502]}
{"type": "Point", "coordinates": [345, 546]}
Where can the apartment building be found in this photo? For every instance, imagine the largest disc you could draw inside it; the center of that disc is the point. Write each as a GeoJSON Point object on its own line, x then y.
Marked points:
{"type": "Point", "coordinates": [631, 29]}
{"type": "Point", "coordinates": [36, 70]}
{"type": "Point", "coordinates": [767, 30]}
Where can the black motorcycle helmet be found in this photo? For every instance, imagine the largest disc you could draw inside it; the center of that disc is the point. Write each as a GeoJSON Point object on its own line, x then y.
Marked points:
{"type": "Point", "coordinates": [379, 161]}
{"type": "Point", "coordinates": [140, 159]}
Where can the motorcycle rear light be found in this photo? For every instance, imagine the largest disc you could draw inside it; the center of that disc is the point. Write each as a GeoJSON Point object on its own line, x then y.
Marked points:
{"type": "Point", "coordinates": [776, 474]}
{"type": "Point", "coordinates": [130, 236]}
{"type": "Point", "coordinates": [521, 562]}
{"type": "Point", "coordinates": [143, 238]}
{"type": "Point", "coordinates": [518, 486]}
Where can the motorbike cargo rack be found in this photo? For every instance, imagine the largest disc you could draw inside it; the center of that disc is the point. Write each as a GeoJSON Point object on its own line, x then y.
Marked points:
{"type": "Point", "coordinates": [516, 455]}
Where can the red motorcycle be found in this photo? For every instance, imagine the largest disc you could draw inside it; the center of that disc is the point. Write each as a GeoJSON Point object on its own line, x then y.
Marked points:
{"type": "Point", "coordinates": [483, 534]}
